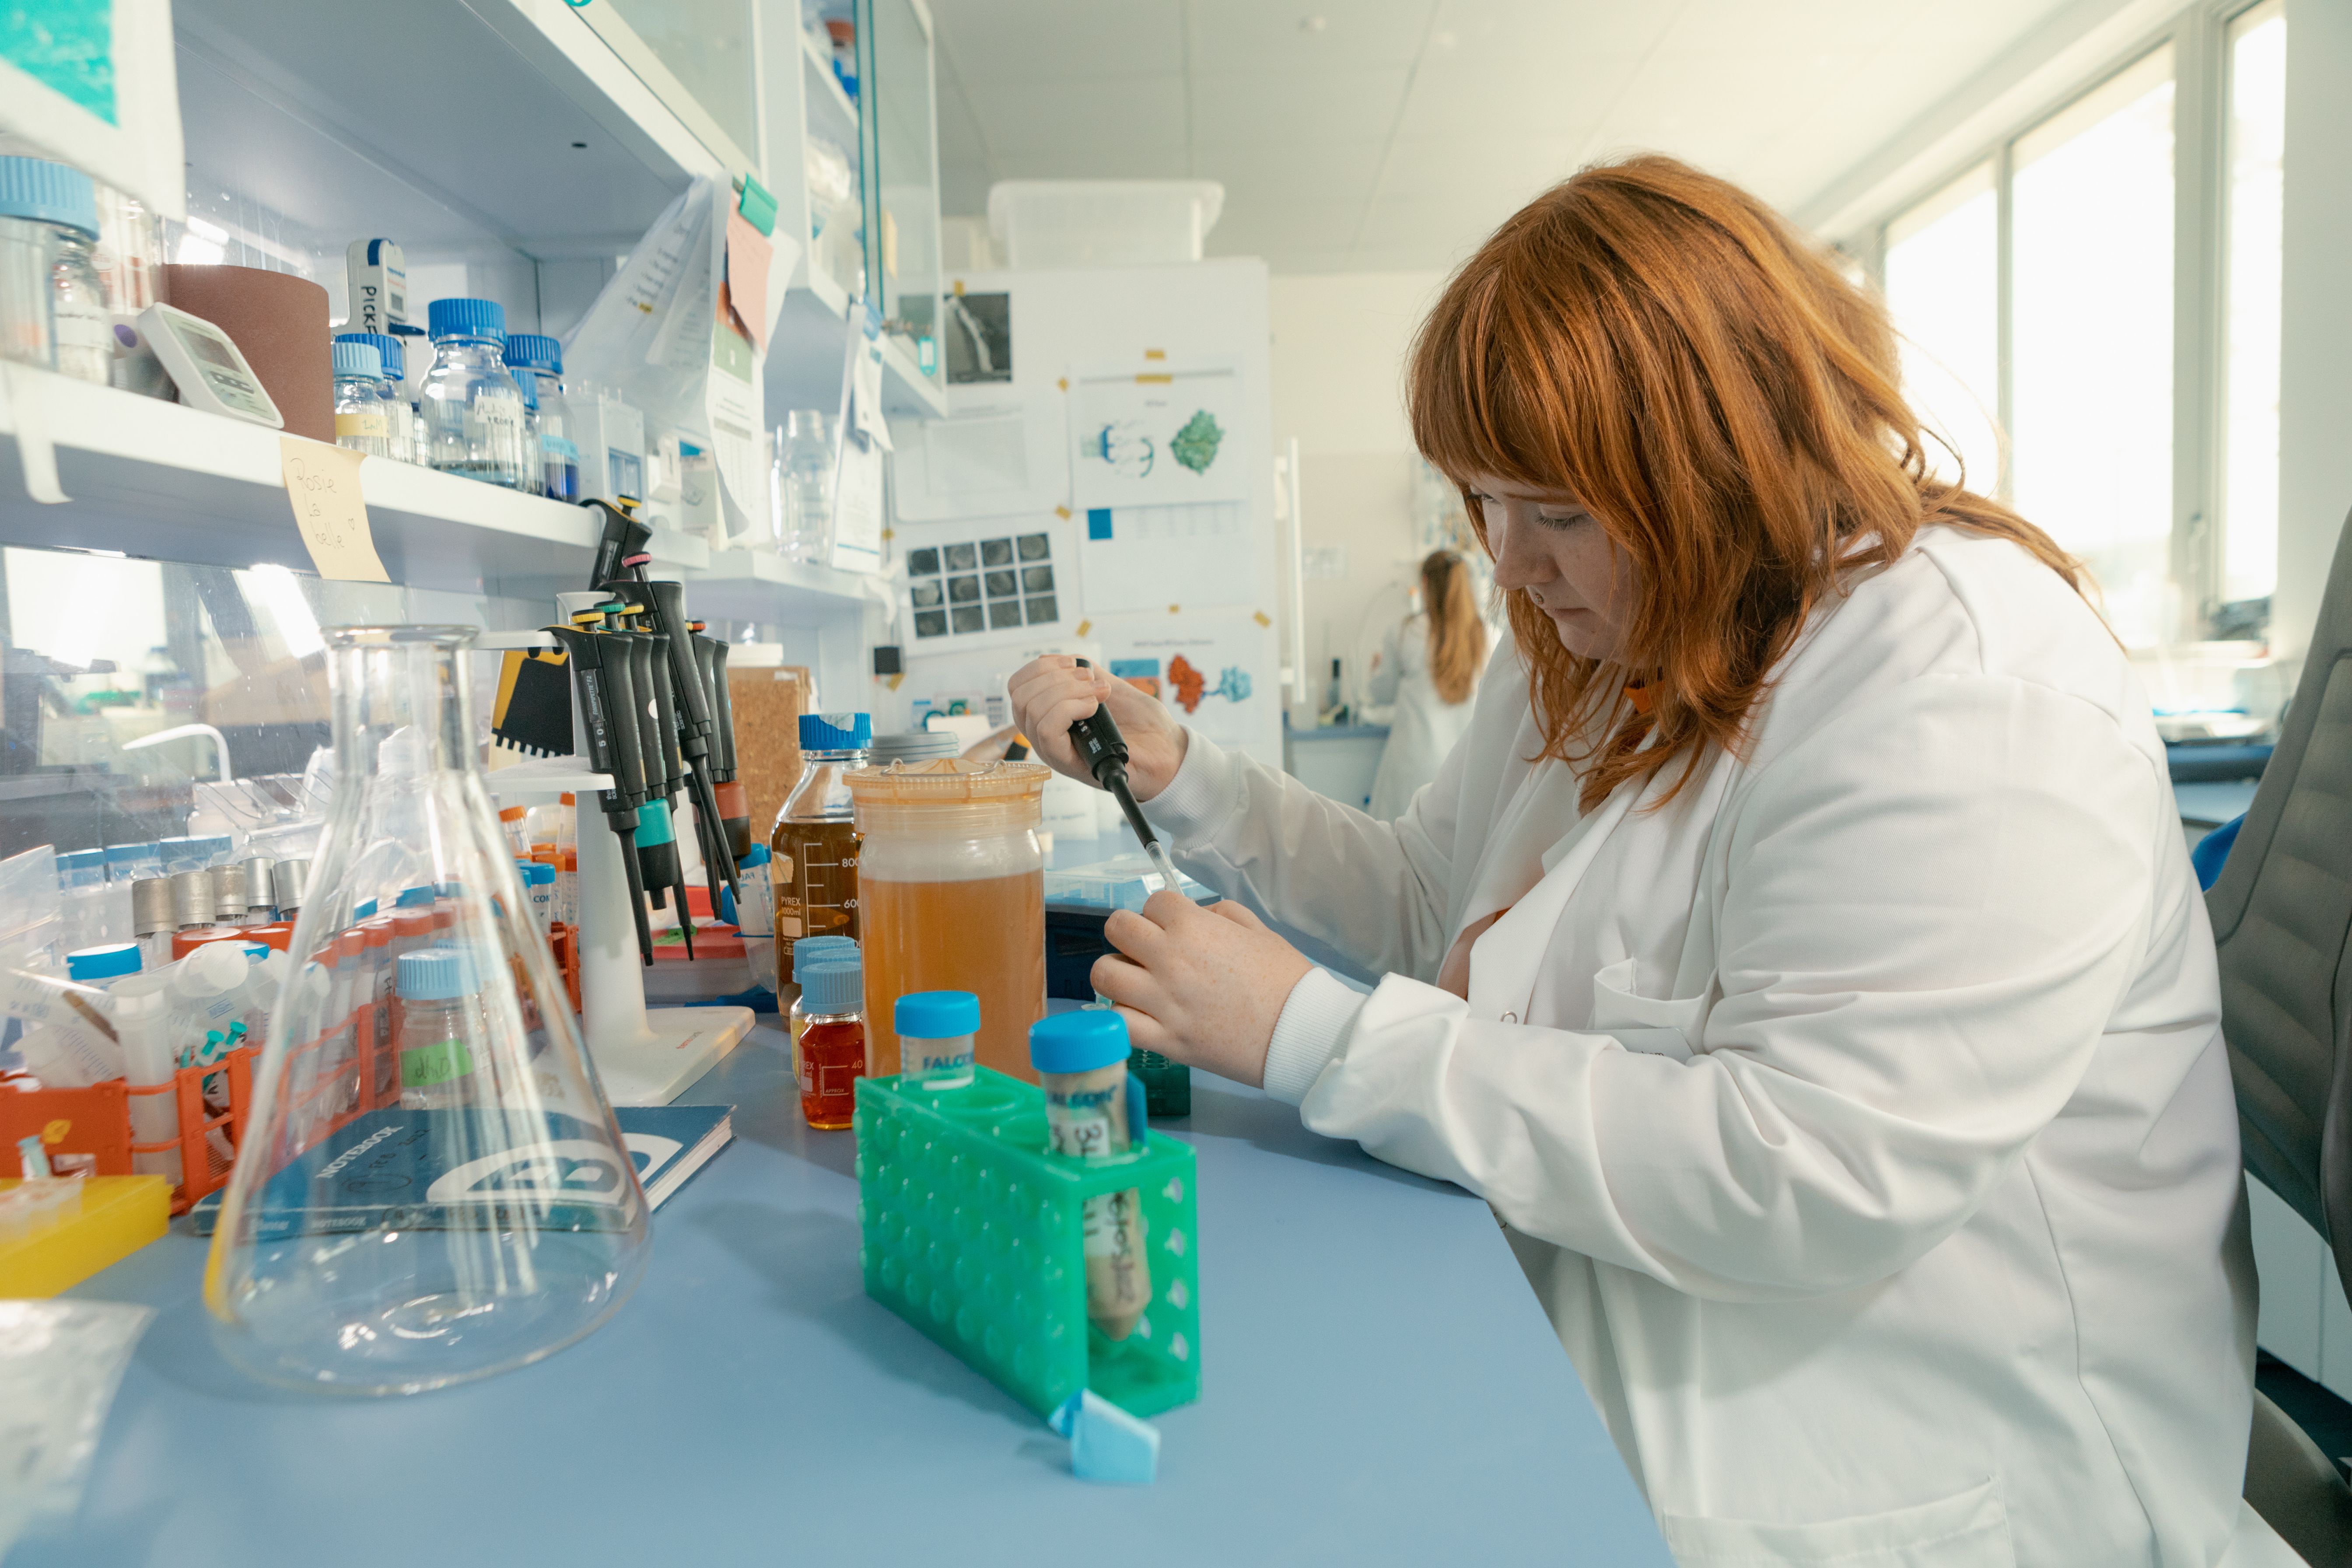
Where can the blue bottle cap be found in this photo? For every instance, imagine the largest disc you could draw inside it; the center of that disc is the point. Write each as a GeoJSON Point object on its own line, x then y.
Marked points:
{"type": "Point", "coordinates": [413, 898]}
{"type": "Point", "coordinates": [358, 359]}
{"type": "Point", "coordinates": [1078, 1041]}
{"type": "Point", "coordinates": [436, 974]}
{"type": "Point", "coordinates": [129, 854]}
{"type": "Point", "coordinates": [755, 855]}
{"type": "Point", "coordinates": [82, 861]}
{"type": "Point", "coordinates": [387, 348]}
{"type": "Point", "coordinates": [936, 1014]}
{"type": "Point", "coordinates": [363, 910]}
{"type": "Point", "coordinates": [92, 964]}
{"type": "Point", "coordinates": [50, 193]}
{"type": "Point", "coordinates": [837, 732]}
{"type": "Point", "coordinates": [542, 874]}
{"type": "Point", "coordinates": [526, 383]}
{"type": "Point", "coordinates": [535, 351]}
{"type": "Point", "coordinates": [808, 952]}
{"type": "Point", "coordinates": [467, 318]}
{"type": "Point", "coordinates": [834, 984]}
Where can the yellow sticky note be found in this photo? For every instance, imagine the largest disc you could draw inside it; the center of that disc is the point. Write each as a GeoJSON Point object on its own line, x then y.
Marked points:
{"type": "Point", "coordinates": [1155, 353]}
{"type": "Point", "coordinates": [1262, 618]}
{"type": "Point", "coordinates": [323, 484]}
{"type": "Point", "coordinates": [1085, 626]}
{"type": "Point", "coordinates": [1154, 380]}
{"type": "Point", "coordinates": [893, 681]}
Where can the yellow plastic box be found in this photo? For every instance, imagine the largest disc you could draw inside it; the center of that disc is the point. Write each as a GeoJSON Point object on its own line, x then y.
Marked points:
{"type": "Point", "coordinates": [119, 1216]}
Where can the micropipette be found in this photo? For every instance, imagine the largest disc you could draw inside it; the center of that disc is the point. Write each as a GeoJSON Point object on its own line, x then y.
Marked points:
{"type": "Point", "coordinates": [1104, 751]}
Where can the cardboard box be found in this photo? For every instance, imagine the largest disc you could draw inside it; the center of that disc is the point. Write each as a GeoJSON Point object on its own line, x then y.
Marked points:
{"type": "Point", "coordinates": [768, 704]}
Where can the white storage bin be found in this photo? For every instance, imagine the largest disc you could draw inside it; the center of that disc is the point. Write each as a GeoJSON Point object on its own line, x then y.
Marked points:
{"type": "Point", "coordinates": [1094, 222]}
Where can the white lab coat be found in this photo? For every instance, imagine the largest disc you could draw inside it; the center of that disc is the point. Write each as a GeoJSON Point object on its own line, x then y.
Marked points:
{"type": "Point", "coordinates": [1860, 1117]}
{"type": "Point", "coordinates": [1425, 726]}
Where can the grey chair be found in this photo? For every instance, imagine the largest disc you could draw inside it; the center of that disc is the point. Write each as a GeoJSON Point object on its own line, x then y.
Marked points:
{"type": "Point", "coordinates": [2282, 911]}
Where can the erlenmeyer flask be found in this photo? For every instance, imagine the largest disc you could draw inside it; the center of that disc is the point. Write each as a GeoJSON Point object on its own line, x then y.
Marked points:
{"type": "Point", "coordinates": [431, 1186]}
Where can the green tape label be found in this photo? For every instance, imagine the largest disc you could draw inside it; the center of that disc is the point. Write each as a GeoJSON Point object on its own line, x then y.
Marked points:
{"type": "Point", "coordinates": [429, 1065]}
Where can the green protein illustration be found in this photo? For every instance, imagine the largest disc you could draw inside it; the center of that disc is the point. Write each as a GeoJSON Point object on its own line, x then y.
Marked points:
{"type": "Point", "coordinates": [1195, 445]}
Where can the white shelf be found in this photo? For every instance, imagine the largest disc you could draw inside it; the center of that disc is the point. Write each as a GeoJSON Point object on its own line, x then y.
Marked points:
{"type": "Point", "coordinates": [756, 585]}
{"type": "Point", "coordinates": [830, 92]}
{"type": "Point", "coordinates": [152, 478]}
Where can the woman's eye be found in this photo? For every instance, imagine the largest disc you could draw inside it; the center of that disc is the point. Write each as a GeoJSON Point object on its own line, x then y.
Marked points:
{"type": "Point", "coordinates": [1560, 521]}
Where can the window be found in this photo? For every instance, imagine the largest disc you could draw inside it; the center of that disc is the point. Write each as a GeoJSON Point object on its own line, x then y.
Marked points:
{"type": "Point", "coordinates": [1943, 285]}
{"type": "Point", "coordinates": [2091, 341]}
{"type": "Point", "coordinates": [2102, 289]}
{"type": "Point", "coordinates": [2250, 416]}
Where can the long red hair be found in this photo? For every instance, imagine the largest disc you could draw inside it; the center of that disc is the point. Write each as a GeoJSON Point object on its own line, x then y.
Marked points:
{"type": "Point", "coordinates": [1662, 347]}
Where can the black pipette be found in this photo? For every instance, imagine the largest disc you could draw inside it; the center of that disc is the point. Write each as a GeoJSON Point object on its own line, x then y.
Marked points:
{"type": "Point", "coordinates": [1104, 751]}
{"type": "Point", "coordinates": [605, 714]}
{"type": "Point", "coordinates": [657, 855]}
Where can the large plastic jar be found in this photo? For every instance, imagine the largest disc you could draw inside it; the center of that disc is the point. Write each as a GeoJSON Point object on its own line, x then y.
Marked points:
{"type": "Point", "coordinates": [951, 897]}
{"type": "Point", "coordinates": [52, 307]}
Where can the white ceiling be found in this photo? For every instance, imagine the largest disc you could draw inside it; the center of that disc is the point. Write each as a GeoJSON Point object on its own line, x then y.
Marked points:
{"type": "Point", "coordinates": [1375, 135]}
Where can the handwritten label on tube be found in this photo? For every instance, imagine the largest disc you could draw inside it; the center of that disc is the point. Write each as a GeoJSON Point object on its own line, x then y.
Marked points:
{"type": "Point", "coordinates": [323, 484]}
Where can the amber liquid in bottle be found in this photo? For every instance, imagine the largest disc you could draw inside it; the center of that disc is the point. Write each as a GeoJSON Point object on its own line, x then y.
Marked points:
{"type": "Point", "coordinates": [814, 874]}
{"type": "Point", "coordinates": [832, 1060]}
{"type": "Point", "coordinates": [985, 936]}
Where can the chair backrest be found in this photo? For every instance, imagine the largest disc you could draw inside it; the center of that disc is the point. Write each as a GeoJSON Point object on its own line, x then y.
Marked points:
{"type": "Point", "coordinates": [2282, 914]}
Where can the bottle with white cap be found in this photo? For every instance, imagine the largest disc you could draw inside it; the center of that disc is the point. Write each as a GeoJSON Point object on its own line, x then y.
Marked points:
{"type": "Point", "coordinates": [286, 880]}
{"type": "Point", "coordinates": [151, 921]}
{"type": "Point", "coordinates": [195, 900]}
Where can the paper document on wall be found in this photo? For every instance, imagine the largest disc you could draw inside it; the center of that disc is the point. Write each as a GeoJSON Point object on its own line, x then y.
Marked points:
{"type": "Point", "coordinates": [1201, 667]}
{"type": "Point", "coordinates": [1167, 557]}
{"type": "Point", "coordinates": [96, 84]}
{"type": "Point", "coordinates": [1158, 437]}
{"type": "Point", "coordinates": [1009, 457]}
{"type": "Point", "coordinates": [857, 482]}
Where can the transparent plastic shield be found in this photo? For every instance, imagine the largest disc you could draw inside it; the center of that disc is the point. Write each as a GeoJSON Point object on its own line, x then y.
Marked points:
{"type": "Point", "coordinates": [432, 1186]}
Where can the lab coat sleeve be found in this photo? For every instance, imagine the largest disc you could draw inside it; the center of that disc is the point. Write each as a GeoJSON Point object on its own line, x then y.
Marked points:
{"type": "Point", "coordinates": [1932, 908]}
{"type": "Point", "coordinates": [1375, 890]}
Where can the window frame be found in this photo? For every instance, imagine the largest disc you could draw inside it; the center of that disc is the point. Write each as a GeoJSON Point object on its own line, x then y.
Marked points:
{"type": "Point", "coordinates": [2199, 38]}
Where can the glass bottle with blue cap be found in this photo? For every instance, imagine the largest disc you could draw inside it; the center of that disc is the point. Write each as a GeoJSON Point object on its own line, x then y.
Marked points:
{"type": "Point", "coordinates": [400, 417]}
{"type": "Point", "coordinates": [1094, 1111]}
{"type": "Point", "coordinates": [52, 307]}
{"type": "Point", "coordinates": [362, 422]}
{"type": "Point", "coordinates": [472, 407]}
{"type": "Point", "coordinates": [815, 844]}
{"type": "Point", "coordinates": [541, 358]}
{"type": "Point", "coordinates": [832, 1052]}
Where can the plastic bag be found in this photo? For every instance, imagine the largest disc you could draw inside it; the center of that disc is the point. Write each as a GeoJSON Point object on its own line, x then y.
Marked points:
{"type": "Point", "coordinates": [60, 1364]}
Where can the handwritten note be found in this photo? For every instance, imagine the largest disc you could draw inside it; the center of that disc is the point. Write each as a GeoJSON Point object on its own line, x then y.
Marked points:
{"type": "Point", "coordinates": [323, 484]}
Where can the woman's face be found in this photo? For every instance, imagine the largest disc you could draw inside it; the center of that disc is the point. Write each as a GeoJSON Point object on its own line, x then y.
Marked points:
{"type": "Point", "coordinates": [1549, 547]}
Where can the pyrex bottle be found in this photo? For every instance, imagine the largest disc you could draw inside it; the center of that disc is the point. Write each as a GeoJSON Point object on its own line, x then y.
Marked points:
{"type": "Point", "coordinates": [815, 844]}
{"type": "Point", "coordinates": [951, 897]}
{"type": "Point", "coordinates": [519, 1225]}
{"type": "Point", "coordinates": [362, 422]}
{"type": "Point", "coordinates": [400, 418]}
{"type": "Point", "coordinates": [52, 307]}
{"type": "Point", "coordinates": [541, 357]}
{"type": "Point", "coordinates": [472, 408]}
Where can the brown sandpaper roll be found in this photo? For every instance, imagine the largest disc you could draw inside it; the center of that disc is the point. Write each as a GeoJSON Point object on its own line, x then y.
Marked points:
{"type": "Point", "coordinates": [768, 702]}
{"type": "Point", "coordinates": [279, 322]}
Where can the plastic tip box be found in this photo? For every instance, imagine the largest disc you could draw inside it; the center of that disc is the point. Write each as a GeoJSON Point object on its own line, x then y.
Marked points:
{"type": "Point", "coordinates": [1123, 882]}
{"type": "Point", "coordinates": [972, 1233]}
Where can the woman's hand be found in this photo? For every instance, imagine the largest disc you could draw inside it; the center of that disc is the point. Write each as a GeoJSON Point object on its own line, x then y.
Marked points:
{"type": "Point", "coordinates": [1202, 986]}
{"type": "Point", "coordinates": [1050, 693]}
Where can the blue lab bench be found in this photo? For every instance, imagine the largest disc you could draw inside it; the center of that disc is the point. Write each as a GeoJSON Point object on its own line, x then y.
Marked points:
{"type": "Point", "coordinates": [1381, 1388]}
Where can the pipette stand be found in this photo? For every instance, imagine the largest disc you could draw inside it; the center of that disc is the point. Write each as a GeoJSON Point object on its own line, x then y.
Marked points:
{"type": "Point", "coordinates": [645, 1056]}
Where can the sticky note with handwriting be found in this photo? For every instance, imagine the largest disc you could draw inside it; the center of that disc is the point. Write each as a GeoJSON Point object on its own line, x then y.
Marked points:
{"type": "Point", "coordinates": [323, 484]}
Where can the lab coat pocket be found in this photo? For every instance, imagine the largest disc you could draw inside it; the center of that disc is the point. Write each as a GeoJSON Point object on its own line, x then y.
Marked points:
{"type": "Point", "coordinates": [1969, 1530]}
{"type": "Point", "coordinates": [1645, 1023]}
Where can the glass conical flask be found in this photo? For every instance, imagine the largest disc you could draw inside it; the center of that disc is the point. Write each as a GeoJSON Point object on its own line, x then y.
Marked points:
{"type": "Point", "coordinates": [431, 1186]}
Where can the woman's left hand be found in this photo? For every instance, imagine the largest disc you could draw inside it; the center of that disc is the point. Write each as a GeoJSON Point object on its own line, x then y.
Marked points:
{"type": "Point", "coordinates": [1202, 986]}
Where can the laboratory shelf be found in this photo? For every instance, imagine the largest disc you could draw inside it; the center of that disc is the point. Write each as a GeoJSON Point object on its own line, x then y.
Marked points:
{"type": "Point", "coordinates": [755, 585]}
{"type": "Point", "coordinates": [445, 123]}
{"type": "Point", "coordinates": [829, 92]}
{"type": "Point", "coordinates": [152, 479]}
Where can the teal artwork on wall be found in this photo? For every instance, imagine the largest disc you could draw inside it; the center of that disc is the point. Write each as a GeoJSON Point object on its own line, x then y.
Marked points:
{"type": "Point", "coordinates": [65, 44]}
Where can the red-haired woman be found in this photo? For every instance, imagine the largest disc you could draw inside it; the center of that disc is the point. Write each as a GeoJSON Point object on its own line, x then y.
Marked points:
{"type": "Point", "coordinates": [1800, 954]}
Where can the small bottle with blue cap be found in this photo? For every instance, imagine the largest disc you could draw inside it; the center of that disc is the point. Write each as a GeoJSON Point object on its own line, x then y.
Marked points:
{"type": "Point", "coordinates": [440, 1028]}
{"type": "Point", "coordinates": [400, 417]}
{"type": "Point", "coordinates": [362, 421]}
{"type": "Point", "coordinates": [806, 953]}
{"type": "Point", "coordinates": [52, 305]}
{"type": "Point", "coordinates": [541, 358]}
{"type": "Point", "coordinates": [472, 407]}
{"type": "Point", "coordinates": [936, 1032]}
{"type": "Point", "coordinates": [832, 1045]}
{"type": "Point", "coordinates": [1094, 1111]}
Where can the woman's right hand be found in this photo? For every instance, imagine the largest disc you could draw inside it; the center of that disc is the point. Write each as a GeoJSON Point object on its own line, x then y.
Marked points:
{"type": "Point", "coordinates": [1051, 692]}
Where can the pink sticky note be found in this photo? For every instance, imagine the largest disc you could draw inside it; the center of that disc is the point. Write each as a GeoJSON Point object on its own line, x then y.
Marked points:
{"type": "Point", "coordinates": [748, 252]}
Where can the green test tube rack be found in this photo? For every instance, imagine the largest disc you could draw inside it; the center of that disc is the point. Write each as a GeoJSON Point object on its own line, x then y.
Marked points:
{"type": "Point", "coordinates": [972, 1233]}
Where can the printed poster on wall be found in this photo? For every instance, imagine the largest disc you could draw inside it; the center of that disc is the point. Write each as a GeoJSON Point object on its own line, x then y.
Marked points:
{"type": "Point", "coordinates": [1157, 438]}
{"type": "Point", "coordinates": [1216, 671]}
{"type": "Point", "coordinates": [95, 83]}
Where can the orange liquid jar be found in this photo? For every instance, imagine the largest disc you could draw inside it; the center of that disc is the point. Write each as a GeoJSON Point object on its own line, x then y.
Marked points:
{"type": "Point", "coordinates": [951, 897]}
{"type": "Point", "coordinates": [832, 1054]}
